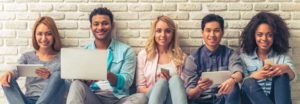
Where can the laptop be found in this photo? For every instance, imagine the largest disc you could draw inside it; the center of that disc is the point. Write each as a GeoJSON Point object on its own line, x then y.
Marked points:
{"type": "Point", "coordinates": [28, 70]}
{"type": "Point", "coordinates": [85, 64]}
{"type": "Point", "coordinates": [218, 77]}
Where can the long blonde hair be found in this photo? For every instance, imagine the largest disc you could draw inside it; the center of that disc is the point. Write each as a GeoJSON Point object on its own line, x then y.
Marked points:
{"type": "Point", "coordinates": [174, 51]}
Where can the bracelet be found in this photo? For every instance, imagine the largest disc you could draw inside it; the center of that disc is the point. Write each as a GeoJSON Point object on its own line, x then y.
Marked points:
{"type": "Point", "coordinates": [234, 79]}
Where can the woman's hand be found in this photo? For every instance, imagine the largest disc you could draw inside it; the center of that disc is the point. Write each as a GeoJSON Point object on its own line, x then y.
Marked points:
{"type": "Point", "coordinates": [278, 70]}
{"type": "Point", "coordinates": [6, 78]}
{"type": "Point", "coordinates": [43, 73]}
{"type": "Point", "coordinates": [262, 73]}
{"type": "Point", "coordinates": [165, 75]}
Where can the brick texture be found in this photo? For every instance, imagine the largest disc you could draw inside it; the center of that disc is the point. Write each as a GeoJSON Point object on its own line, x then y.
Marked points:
{"type": "Point", "coordinates": [133, 19]}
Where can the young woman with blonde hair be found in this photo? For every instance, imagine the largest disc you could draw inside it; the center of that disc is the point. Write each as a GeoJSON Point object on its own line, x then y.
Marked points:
{"type": "Point", "coordinates": [160, 65]}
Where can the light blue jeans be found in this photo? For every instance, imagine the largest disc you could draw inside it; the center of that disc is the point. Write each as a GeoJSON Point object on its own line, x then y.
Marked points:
{"type": "Point", "coordinates": [52, 94]}
{"type": "Point", "coordinates": [168, 92]}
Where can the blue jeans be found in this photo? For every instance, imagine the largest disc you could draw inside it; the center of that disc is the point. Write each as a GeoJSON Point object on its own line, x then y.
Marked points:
{"type": "Point", "coordinates": [231, 98]}
{"type": "Point", "coordinates": [168, 91]}
{"type": "Point", "coordinates": [252, 93]}
{"type": "Point", "coordinates": [52, 94]}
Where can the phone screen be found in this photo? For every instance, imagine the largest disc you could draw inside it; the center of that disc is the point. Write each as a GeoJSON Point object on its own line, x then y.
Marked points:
{"type": "Point", "coordinates": [163, 70]}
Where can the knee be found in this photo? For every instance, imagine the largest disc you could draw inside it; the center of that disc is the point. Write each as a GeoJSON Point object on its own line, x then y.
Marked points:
{"type": "Point", "coordinates": [175, 80]}
{"type": "Point", "coordinates": [141, 98]}
{"type": "Point", "coordinates": [161, 82]}
{"type": "Point", "coordinates": [77, 86]}
{"type": "Point", "coordinates": [284, 78]}
{"type": "Point", "coordinates": [248, 83]}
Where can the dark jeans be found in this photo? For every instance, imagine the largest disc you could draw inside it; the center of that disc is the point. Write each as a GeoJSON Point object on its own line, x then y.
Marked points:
{"type": "Point", "coordinates": [52, 94]}
{"type": "Point", "coordinates": [232, 98]}
{"type": "Point", "coordinates": [252, 93]}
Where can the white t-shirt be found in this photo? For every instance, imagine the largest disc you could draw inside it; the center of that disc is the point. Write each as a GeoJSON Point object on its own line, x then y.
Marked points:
{"type": "Point", "coordinates": [170, 66]}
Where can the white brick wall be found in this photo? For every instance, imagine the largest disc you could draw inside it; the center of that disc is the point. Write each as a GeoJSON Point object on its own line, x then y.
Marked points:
{"type": "Point", "coordinates": [133, 20]}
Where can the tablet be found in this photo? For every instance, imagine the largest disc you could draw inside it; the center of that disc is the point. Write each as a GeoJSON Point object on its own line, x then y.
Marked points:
{"type": "Point", "coordinates": [28, 70]}
{"type": "Point", "coordinates": [217, 77]}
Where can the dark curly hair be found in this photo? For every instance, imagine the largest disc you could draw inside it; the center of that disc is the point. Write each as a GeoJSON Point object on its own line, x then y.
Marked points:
{"type": "Point", "coordinates": [102, 11]}
{"type": "Point", "coordinates": [279, 30]}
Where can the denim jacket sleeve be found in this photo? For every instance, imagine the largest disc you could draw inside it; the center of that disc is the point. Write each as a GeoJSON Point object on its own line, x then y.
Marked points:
{"type": "Point", "coordinates": [288, 60]}
{"type": "Point", "coordinates": [126, 76]}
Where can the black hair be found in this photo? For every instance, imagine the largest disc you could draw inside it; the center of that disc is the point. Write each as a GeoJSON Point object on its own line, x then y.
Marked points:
{"type": "Point", "coordinates": [102, 11]}
{"type": "Point", "coordinates": [210, 18]}
{"type": "Point", "coordinates": [279, 30]}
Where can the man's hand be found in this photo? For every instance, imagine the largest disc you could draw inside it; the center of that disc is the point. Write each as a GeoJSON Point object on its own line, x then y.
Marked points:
{"type": "Point", "coordinates": [204, 84]}
{"type": "Point", "coordinates": [227, 86]}
{"type": "Point", "coordinates": [112, 78]}
{"type": "Point", "coordinates": [88, 82]}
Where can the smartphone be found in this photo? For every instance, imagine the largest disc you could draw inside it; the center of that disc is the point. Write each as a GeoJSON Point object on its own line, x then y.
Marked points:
{"type": "Point", "coordinates": [268, 62]}
{"type": "Point", "coordinates": [163, 70]}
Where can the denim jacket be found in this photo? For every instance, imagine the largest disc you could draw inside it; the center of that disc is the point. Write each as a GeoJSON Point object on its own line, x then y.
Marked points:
{"type": "Point", "coordinates": [121, 62]}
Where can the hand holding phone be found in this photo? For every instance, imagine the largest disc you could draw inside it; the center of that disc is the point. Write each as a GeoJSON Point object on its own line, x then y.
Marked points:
{"type": "Point", "coordinates": [165, 73]}
{"type": "Point", "coordinates": [268, 65]}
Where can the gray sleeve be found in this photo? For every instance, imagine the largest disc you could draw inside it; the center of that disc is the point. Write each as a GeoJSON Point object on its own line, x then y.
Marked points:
{"type": "Point", "coordinates": [235, 63]}
{"type": "Point", "coordinates": [190, 75]}
{"type": "Point", "coordinates": [21, 60]}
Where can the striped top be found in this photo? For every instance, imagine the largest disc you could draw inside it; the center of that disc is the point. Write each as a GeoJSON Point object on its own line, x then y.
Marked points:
{"type": "Point", "coordinates": [253, 63]}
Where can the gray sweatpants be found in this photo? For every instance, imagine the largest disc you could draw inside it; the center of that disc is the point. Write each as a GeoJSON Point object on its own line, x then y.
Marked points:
{"type": "Point", "coordinates": [79, 93]}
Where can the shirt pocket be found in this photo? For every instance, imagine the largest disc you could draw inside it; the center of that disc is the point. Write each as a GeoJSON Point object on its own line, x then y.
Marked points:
{"type": "Point", "coordinates": [116, 65]}
{"type": "Point", "coordinates": [252, 68]}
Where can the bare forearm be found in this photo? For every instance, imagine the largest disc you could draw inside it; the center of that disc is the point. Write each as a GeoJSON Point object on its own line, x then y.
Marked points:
{"type": "Point", "coordinates": [111, 77]}
{"type": "Point", "coordinates": [291, 73]}
{"type": "Point", "coordinates": [194, 92]}
{"type": "Point", "coordinates": [238, 76]}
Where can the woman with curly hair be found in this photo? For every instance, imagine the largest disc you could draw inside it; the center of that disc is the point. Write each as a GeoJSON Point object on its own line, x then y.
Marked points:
{"type": "Point", "coordinates": [268, 66]}
{"type": "Point", "coordinates": [160, 65]}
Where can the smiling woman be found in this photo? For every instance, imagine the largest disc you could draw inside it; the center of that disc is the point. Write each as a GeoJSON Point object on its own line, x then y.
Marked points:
{"type": "Point", "coordinates": [45, 30]}
{"type": "Point", "coordinates": [160, 65]}
{"type": "Point", "coordinates": [265, 56]}
{"type": "Point", "coordinates": [45, 88]}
